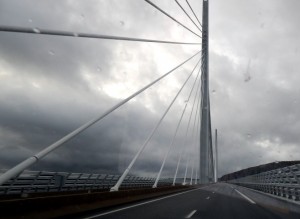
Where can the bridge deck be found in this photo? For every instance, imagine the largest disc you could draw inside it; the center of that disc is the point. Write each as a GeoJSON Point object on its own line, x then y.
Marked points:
{"type": "Point", "coordinates": [214, 201]}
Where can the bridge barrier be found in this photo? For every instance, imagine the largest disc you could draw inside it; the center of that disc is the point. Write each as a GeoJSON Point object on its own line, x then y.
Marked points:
{"type": "Point", "coordinates": [42, 181]}
{"type": "Point", "coordinates": [283, 182]}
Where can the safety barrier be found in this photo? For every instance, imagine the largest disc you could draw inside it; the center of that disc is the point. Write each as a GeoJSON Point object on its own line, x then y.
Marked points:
{"type": "Point", "coordinates": [42, 181]}
{"type": "Point", "coordinates": [283, 182]}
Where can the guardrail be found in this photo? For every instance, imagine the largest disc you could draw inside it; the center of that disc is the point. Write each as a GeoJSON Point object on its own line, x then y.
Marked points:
{"type": "Point", "coordinates": [42, 181]}
{"type": "Point", "coordinates": [283, 182]}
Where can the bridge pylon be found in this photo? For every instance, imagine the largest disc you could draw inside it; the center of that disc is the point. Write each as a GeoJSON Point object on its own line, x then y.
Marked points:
{"type": "Point", "coordinates": [206, 151]}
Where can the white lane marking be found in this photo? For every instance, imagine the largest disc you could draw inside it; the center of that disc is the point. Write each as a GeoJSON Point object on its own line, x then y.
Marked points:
{"type": "Point", "coordinates": [136, 205]}
{"type": "Point", "coordinates": [207, 197]}
{"type": "Point", "coordinates": [191, 214]}
{"type": "Point", "coordinates": [245, 197]}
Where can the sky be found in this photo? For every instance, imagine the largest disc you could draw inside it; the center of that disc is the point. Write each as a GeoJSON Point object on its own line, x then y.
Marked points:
{"type": "Point", "coordinates": [51, 85]}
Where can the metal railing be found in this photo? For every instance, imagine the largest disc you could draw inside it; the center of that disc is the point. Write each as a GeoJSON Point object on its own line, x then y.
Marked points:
{"type": "Point", "coordinates": [42, 181]}
{"type": "Point", "coordinates": [283, 182]}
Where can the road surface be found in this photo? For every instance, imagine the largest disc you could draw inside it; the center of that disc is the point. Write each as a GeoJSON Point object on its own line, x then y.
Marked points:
{"type": "Point", "coordinates": [211, 202]}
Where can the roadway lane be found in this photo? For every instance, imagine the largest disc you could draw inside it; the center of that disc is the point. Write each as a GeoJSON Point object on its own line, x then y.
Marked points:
{"type": "Point", "coordinates": [211, 202]}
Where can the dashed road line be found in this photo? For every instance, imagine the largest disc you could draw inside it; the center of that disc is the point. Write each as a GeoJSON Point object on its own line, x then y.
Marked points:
{"type": "Point", "coordinates": [191, 214]}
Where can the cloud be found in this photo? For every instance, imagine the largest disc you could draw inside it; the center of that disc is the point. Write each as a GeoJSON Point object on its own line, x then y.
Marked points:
{"type": "Point", "coordinates": [51, 85]}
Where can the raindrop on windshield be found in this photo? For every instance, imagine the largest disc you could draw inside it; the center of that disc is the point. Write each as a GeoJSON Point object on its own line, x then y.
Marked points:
{"type": "Point", "coordinates": [30, 20]}
{"type": "Point", "coordinates": [51, 52]}
{"type": "Point", "coordinates": [249, 135]}
{"type": "Point", "coordinates": [214, 91]}
{"type": "Point", "coordinates": [98, 68]}
{"type": "Point", "coordinates": [248, 78]}
{"type": "Point", "coordinates": [75, 34]}
{"type": "Point", "coordinates": [122, 23]}
{"type": "Point", "coordinates": [247, 73]}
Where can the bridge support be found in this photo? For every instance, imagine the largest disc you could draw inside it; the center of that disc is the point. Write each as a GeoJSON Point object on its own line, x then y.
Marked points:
{"type": "Point", "coordinates": [206, 152]}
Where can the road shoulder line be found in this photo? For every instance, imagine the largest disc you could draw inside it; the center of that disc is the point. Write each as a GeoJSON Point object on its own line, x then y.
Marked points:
{"type": "Point", "coordinates": [245, 197]}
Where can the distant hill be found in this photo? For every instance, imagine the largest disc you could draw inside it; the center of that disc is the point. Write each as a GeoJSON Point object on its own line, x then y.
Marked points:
{"type": "Point", "coordinates": [257, 169]}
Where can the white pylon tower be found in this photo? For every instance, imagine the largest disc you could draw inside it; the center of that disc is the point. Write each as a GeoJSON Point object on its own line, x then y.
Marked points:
{"type": "Point", "coordinates": [206, 152]}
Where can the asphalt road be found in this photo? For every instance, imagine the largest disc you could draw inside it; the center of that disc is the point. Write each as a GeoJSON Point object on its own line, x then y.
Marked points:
{"type": "Point", "coordinates": [211, 202]}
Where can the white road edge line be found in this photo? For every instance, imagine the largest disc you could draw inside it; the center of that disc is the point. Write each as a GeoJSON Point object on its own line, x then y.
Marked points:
{"type": "Point", "coordinates": [191, 214]}
{"type": "Point", "coordinates": [245, 197]}
{"type": "Point", "coordinates": [136, 205]}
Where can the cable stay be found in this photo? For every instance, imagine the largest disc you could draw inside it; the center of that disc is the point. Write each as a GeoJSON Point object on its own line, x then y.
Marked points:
{"type": "Point", "coordinates": [196, 140]}
{"type": "Point", "coordinates": [15, 171]}
{"type": "Point", "coordinates": [27, 30]}
{"type": "Point", "coordinates": [165, 13]}
{"type": "Point", "coordinates": [125, 173]}
{"type": "Point", "coordinates": [186, 133]}
{"type": "Point", "coordinates": [193, 12]}
{"type": "Point", "coordinates": [175, 134]}
{"type": "Point", "coordinates": [188, 15]}
{"type": "Point", "coordinates": [179, 159]}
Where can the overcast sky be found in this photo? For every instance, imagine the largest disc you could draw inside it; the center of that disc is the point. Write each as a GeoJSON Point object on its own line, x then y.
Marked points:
{"type": "Point", "coordinates": [51, 85]}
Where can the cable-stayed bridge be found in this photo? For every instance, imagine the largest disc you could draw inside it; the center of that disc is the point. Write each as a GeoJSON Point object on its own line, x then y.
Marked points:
{"type": "Point", "coordinates": [195, 196]}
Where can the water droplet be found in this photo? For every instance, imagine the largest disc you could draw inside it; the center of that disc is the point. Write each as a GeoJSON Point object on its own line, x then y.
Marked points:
{"type": "Point", "coordinates": [30, 20]}
{"type": "Point", "coordinates": [262, 25]}
{"type": "Point", "coordinates": [51, 52]}
{"type": "Point", "coordinates": [36, 30]}
{"type": "Point", "coordinates": [214, 91]}
{"type": "Point", "coordinates": [279, 171]}
{"type": "Point", "coordinates": [82, 16]}
{"type": "Point", "coordinates": [249, 135]}
{"type": "Point", "coordinates": [75, 34]}
{"type": "Point", "coordinates": [248, 78]}
{"type": "Point", "coordinates": [247, 73]}
{"type": "Point", "coordinates": [98, 68]}
{"type": "Point", "coordinates": [122, 23]}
